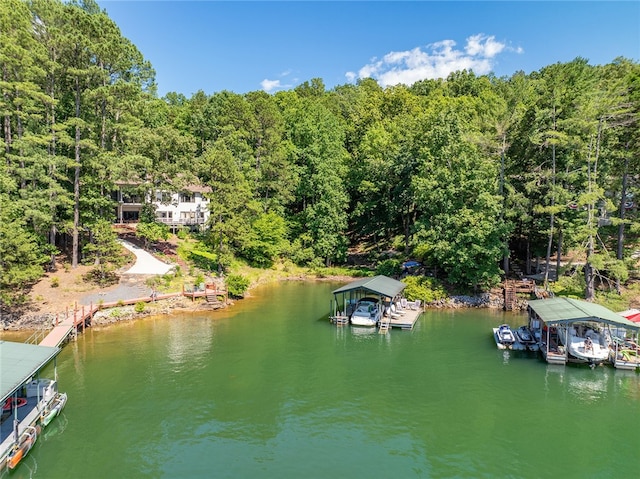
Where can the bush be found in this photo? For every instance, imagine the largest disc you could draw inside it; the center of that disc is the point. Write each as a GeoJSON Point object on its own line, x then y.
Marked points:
{"type": "Point", "coordinates": [101, 277]}
{"type": "Point", "coordinates": [237, 285]}
{"type": "Point", "coordinates": [389, 267]}
{"type": "Point", "coordinates": [570, 286]}
{"type": "Point", "coordinates": [55, 282]}
{"type": "Point", "coordinates": [424, 288]}
{"type": "Point", "coordinates": [139, 307]}
{"type": "Point", "coordinates": [183, 233]}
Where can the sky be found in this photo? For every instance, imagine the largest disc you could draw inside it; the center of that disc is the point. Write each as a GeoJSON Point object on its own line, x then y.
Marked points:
{"type": "Point", "coordinates": [244, 46]}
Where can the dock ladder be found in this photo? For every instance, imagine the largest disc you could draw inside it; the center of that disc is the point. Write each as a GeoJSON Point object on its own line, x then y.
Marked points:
{"type": "Point", "coordinates": [384, 325]}
{"type": "Point", "coordinates": [509, 295]}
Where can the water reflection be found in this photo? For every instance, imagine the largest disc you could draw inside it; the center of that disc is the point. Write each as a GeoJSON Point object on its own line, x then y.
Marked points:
{"type": "Point", "coordinates": [189, 345]}
{"type": "Point", "coordinates": [56, 427]}
{"type": "Point", "coordinates": [505, 357]}
{"type": "Point", "coordinates": [588, 385]}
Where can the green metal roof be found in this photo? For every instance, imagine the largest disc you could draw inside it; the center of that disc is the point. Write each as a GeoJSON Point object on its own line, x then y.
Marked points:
{"type": "Point", "coordinates": [567, 310]}
{"type": "Point", "coordinates": [19, 362]}
{"type": "Point", "coordinates": [382, 285]}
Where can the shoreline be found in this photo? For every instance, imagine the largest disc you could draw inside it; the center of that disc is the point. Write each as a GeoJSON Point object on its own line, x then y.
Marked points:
{"type": "Point", "coordinates": [32, 322]}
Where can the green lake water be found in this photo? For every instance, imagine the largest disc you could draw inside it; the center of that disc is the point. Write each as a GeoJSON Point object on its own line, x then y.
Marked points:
{"type": "Point", "coordinates": [271, 389]}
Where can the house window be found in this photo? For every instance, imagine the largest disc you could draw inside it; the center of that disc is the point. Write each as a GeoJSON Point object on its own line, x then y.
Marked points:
{"type": "Point", "coordinates": [187, 198]}
{"type": "Point", "coordinates": [164, 215]}
{"type": "Point", "coordinates": [163, 197]}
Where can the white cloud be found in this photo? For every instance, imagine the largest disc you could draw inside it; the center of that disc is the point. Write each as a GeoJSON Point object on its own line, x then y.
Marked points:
{"type": "Point", "coordinates": [270, 85]}
{"type": "Point", "coordinates": [436, 60]}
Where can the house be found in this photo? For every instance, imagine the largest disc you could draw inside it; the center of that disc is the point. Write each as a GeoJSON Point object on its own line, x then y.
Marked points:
{"type": "Point", "coordinates": [188, 207]}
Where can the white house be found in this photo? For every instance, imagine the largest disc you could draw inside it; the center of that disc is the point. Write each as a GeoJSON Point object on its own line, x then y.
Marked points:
{"type": "Point", "coordinates": [186, 208]}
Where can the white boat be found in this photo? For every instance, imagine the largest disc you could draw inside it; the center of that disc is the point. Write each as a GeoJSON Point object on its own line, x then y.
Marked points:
{"type": "Point", "coordinates": [584, 343]}
{"type": "Point", "coordinates": [525, 337]}
{"type": "Point", "coordinates": [504, 336]}
{"type": "Point", "coordinates": [367, 313]}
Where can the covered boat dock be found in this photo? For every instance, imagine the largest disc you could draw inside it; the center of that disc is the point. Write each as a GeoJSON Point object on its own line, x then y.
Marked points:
{"type": "Point", "coordinates": [547, 315]}
{"type": "Point", "coordinates": [389, 293]}
{"type": "Point", "coordinates": [24, 397]}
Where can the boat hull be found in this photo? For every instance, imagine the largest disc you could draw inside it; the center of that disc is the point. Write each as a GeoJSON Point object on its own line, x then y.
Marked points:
{"type": "Point", "coordinates": [367, 313]}
{"type": "Point", "coordinates": [590, 349]}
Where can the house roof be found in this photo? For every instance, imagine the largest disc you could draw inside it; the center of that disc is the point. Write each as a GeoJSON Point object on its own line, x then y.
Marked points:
{"type": "Point", "coordinates": [567, 310]}
{"type": "Point", "coordinates": [382, 285]}
{"type": "Point", "coordinates": [631, 315]}
{"type": "Point", "coordinates": [19, 362]}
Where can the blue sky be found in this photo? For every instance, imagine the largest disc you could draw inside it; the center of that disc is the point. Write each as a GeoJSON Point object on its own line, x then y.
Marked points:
{"type": "Point", "coordinates": [244, 46]}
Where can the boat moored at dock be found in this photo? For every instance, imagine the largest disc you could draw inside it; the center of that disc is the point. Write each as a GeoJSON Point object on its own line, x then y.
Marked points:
{"type": "Point", "coordinates": [584, 343]}
{"type": "Point", "coordinates": [29, 400]}
{"type": "Point", "coordinates": [504, 337]}
{"type": "Point", "coordinates": [526, 339]}
{"type": "Point", "coordinates": [570, 330]}
{"type": "Point", "coordinates": [368, 313]}
{"type": "Point", "coordinates": [371, 302]}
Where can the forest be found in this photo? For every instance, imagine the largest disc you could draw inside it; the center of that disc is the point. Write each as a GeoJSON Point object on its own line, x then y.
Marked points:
{"type": "Point", "coordinates": [469, 175]}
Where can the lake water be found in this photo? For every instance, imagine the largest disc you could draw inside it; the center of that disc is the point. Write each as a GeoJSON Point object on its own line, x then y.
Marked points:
{"type": "Point", "coordinates": [269, 388]}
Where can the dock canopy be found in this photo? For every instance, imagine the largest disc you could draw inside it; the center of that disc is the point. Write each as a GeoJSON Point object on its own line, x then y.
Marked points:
{"type": "Point", "coordinates": [561, 310]}
{"type": "Point", "coordinates": [381, 285]}
{"type": "Point", "coordinates": [19, 362]}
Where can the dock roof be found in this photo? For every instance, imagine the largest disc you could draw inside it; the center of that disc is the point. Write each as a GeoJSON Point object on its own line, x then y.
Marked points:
{"type": "Point", "coordinates": [568, 310]}
{"type": "Point", "coordinates": [382, 285]}
{"type": "Point", "coordinates": [19, 362]}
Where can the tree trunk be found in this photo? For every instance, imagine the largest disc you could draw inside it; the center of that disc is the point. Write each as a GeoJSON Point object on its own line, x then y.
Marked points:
{"type": "Point", "coordinates": [76, 186]}
{"type": "Point", "coordinates": [559, 254]}
{"type": "Point", "coordinates": [588, 273]}
{"type": "Point", "coordinates": [7, 117]}
{"type": "Point", "coordinates": [527, 266]}
{"type": "Point", "coordinates": [551, 220]}
{"type": "Point", "coordinates": [505, 258]}
{"type": "Point", "coordinates": [620, 248]}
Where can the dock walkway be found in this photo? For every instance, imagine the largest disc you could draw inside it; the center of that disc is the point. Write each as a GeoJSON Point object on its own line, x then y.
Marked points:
{"type": "Point", "coordinates": [406, 320]}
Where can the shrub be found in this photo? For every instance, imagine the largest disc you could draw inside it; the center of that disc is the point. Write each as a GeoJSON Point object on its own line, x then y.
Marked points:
{"type": "Point", "coordinates": [183, 233]}
{"type": "Point", "coordinates": [424, 288]}
{"type": "Point", "coordinates": [237, 285]}
{"type": "Point", "coordinates": [55, 282]}
{"type": "Point", "coordinates": [101, 277]}
{"type": "Point", "coordinates": [389, 267]}
{"type": "Point", "coordinates": [139, 307]}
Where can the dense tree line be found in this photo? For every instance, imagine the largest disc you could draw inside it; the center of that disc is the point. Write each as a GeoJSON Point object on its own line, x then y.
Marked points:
{"type": "Point", "coordinates": [466, 174]}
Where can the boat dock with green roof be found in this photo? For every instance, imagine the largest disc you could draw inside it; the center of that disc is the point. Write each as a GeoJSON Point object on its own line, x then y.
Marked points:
{"type": "Point", "coordinates": [386, 293]}
{"type": "Point", "coordinates": [26, 399]}
{"type": "Point", "coordinates": [555, 321]}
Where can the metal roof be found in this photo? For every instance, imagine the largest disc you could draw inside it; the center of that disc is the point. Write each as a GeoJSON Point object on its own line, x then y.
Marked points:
{"type": "Point", "coordinates": [567, 310]}
{"type": "Point", "coordinates": [19, 362]}
{"type": "Point", "coordinates": [382, 285]}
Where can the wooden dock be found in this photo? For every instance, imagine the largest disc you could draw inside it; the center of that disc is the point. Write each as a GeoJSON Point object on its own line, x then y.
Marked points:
{"type": "Point", "coordinates": [80, 317]}
{"type": "Point", "coordinates": [406, 320]}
